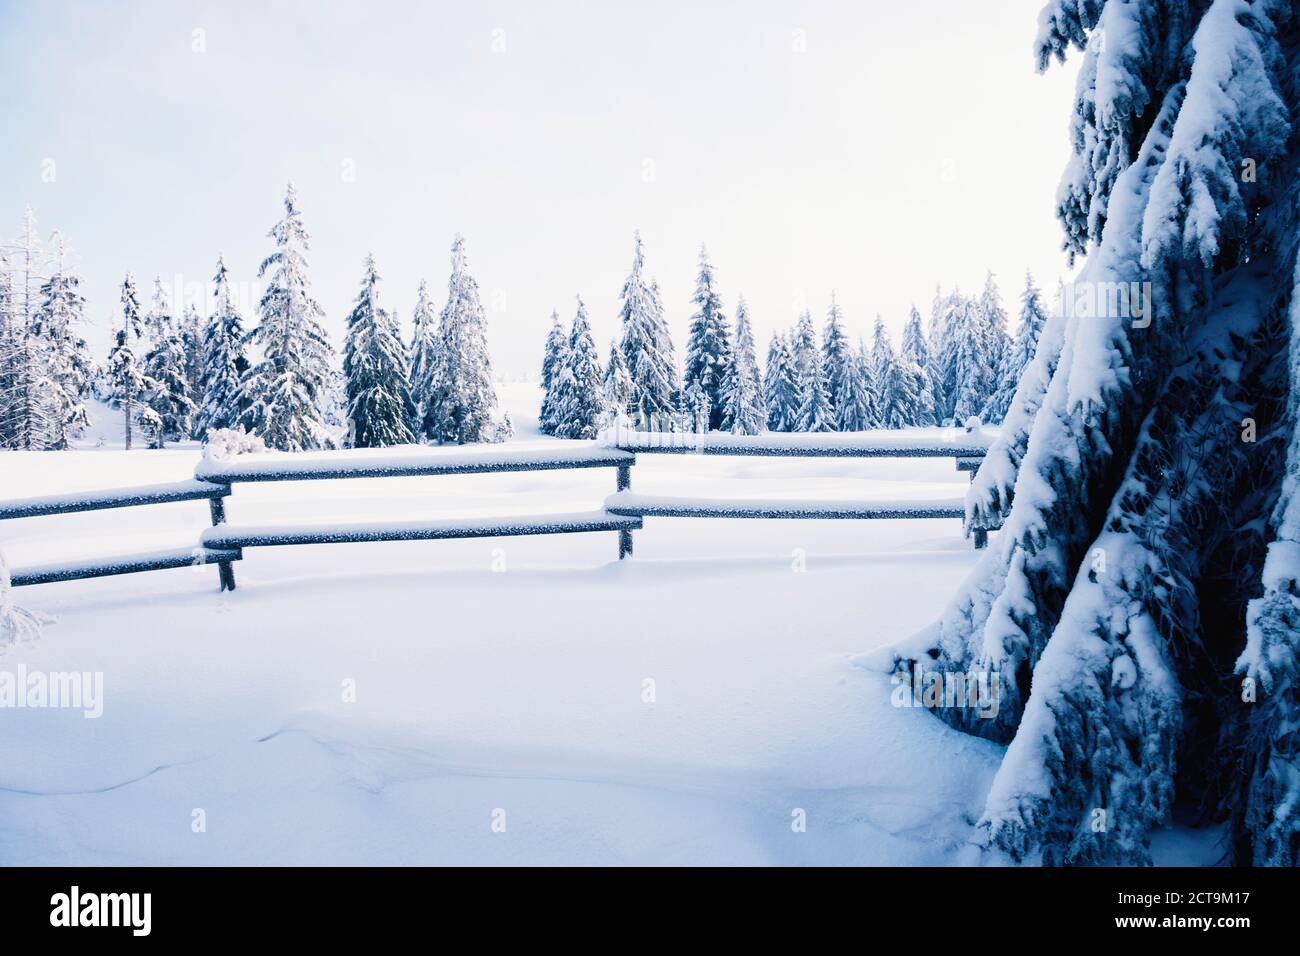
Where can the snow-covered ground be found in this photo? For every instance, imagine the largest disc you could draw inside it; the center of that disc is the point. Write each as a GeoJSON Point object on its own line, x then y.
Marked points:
{"type": "Point", "coordinates": [490, 675]}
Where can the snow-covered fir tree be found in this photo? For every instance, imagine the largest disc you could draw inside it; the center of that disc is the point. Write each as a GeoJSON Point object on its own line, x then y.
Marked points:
{"type": "Point", "coordinates": [895, 395]}
{"type": "Point", "coordinates": [378, 388]}
{"type": "Point", "coordinates": [223, 365]}
{"type": "Point", "coordinates": [286, 393]}
{"type": "Point", "coordinates": [708, 348]}
{"type": "Point", "coordinates": [191, 332]}
{"type": "Point", "coordinates": [9, 351]}
{"type": "Point", "coordinates": [914, 356]}
{"type": "Point", "coordinates": [948, 320]}
{"type": "Point", "coordinates": [745, 412]}
{"type": "Point", "coordinates": [68, 367]}
{"type": "Point", "coordinates": [166, 367]}
{"type": "Point", "coordinates": [647, 347]}
{"type": "Point", "coordinates": [1033, 316]}
{"type": "Point", "coordinates": [836, 367]}
{"type": "Point", "coordinates": [780, 388]}
{"type": "Point", "coordinates": [553, 363]}
{"type": "Point", "coordinates": [808, 372]}
{"type": "Point", "coordinates": [1139, 607]}
{"type": "Point", "coordinates": [464, 399]}
{"type": "Point", "coordinates": [856, 411]}
{"type": "Point", "coordinates": [125, 374]}
{"type": "Point", "coordinates": [617, 387]}
{"type": "Point", "coordinates": [578, 400]}
{"type": "Point", "coordinates": [982, 344]}
{"type": "Point", "coordinates": [426, 347]}
{"type": "Point", "coordinates": [553, 356]}
{"type": "Point", "coordinates": [815, 413]}
{"type": "Point", "coordinates": [29, 408]}
{"type": "Point", "coordinates": [158, 321]}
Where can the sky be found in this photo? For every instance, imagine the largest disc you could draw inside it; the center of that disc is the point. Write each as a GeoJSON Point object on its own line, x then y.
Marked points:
{"type": "Point", "coordinates": [869, 149]}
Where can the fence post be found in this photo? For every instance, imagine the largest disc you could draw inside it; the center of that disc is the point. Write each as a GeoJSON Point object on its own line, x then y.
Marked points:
{"type": "Point", "coordinates": [224, 571]}
{"type": "Point", "coordinates": [624, 482]}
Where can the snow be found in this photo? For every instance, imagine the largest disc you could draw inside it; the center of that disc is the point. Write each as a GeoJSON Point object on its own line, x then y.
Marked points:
{"type": "Point", "coordinates": [490, 674]}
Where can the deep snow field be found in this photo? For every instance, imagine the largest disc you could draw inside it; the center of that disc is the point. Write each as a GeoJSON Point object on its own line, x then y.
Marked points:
{"type": "Point", "coordinates": [489, 675]}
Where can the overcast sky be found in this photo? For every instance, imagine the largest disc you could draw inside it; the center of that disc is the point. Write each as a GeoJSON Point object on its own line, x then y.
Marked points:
{"type": "Point", "coordinates": [874, 149]}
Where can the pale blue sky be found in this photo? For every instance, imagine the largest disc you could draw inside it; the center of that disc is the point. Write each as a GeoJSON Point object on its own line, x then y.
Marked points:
{"type": "Point", "coordinates": [905, 144]}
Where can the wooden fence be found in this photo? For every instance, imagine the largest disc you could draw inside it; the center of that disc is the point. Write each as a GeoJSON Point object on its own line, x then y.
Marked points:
{"type": "Point", "coordinates": [622, 513]}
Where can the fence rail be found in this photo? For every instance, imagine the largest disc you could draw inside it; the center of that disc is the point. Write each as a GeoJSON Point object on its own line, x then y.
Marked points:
{"type": "Point", "coordinates": [622, 513]}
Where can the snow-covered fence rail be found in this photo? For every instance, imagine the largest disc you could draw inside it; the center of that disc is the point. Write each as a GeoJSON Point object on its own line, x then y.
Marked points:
{"type": "Point", "coordinates": [408, 462]}
{"type": "Point", "coordinates": [959, 443]}
{"type": "Point", "coordinates": [967, 445]}
{"type": "Point", "coordinates": [122, 498]}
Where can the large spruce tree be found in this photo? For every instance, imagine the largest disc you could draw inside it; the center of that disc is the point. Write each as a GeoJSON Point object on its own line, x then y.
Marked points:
{"type": "Point", "coordinates": [647, 347]}
{"type": "Point", "coordinates": [223, 365]}
{"type": "Point", "coordinates": [461, 406]}
{"type": "Point", "coordinates": [708, 349]}
{"type": "Point", "coordinates": [286, 393]}
{"type": "Point", "coordinates": [377, 385]}
{"type": "Point", "coordinates": [1139, 606]}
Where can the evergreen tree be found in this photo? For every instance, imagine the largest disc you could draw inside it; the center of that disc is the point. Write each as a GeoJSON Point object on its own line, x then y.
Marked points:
{"type": "Point", "coordinates": [377, 389]}
{"type": "Point", "coordinates": [125, 375]}
{"type": "Point", "coordinates": [9, 352]}
{"type": "Point", "coordinates": [981, 343]}
{"type": "Point", "coordinates": [553, 363]}
{"type": "Point", "coordinates": [815, 413]}
{"type": "Point", "coordinates": [224, 365]}
{"type": "Point", "coordinates": [553, 359]}
{"type": "Point", "coordinates": [426, 348]}
{"type": "Point", "coordinates": [647, 347]}
{"type": "Point", "coordinates": [286, 394]}
{"type": "Point", "coordinates": [617, 389]}
{"type": "Point", "coordinates": [915, 359]}
{"type": "Point", "coordinates": [1139, 610]}
{"type": "Point", "coordinates": [745, 410]}
{"type": "Point", "coordinates": [836, 367]}
{"type": "Point", "coordinates": [578, 401]}
{"type": "Point", "coordinates": [803, 349]}
{"type": "Point", "coordinates": [68, 365]}
{"type": "Point", "coordinates": [165, 366]}
{"type": "Point", "coordinates": [708, 350]}
{"type": "Point", "coordinates": [29, 407]}
{"type": "Point", "coordinates": [780, 389]}
{"type": "Point", "coordinates": [895, 389]}
{"type": "Point", "coordinates": [191, 331]}
{"type": "Point", "coordinates": [855, 412]}
{"type": "Point", "coordinates": [158, 321]}
{"type": "Point", "coordinates": [464, 399]}
{"type": "Point", "coordinates": [1033, 317]}
{"type": "Point", "coordinates": [949, 313]}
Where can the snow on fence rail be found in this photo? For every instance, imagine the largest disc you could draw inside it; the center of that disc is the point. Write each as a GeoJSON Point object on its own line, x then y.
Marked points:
{"type": "Point", "coordinates": [115, 498]}
{"type": "Point", "coordinates": [404, 462]}
{"type": "Point", "coordinates": [960, 443]}
{"type": "Point", "coordinates": [666, 506]}
{"type": "Point", "coordinates": [622, 513]}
